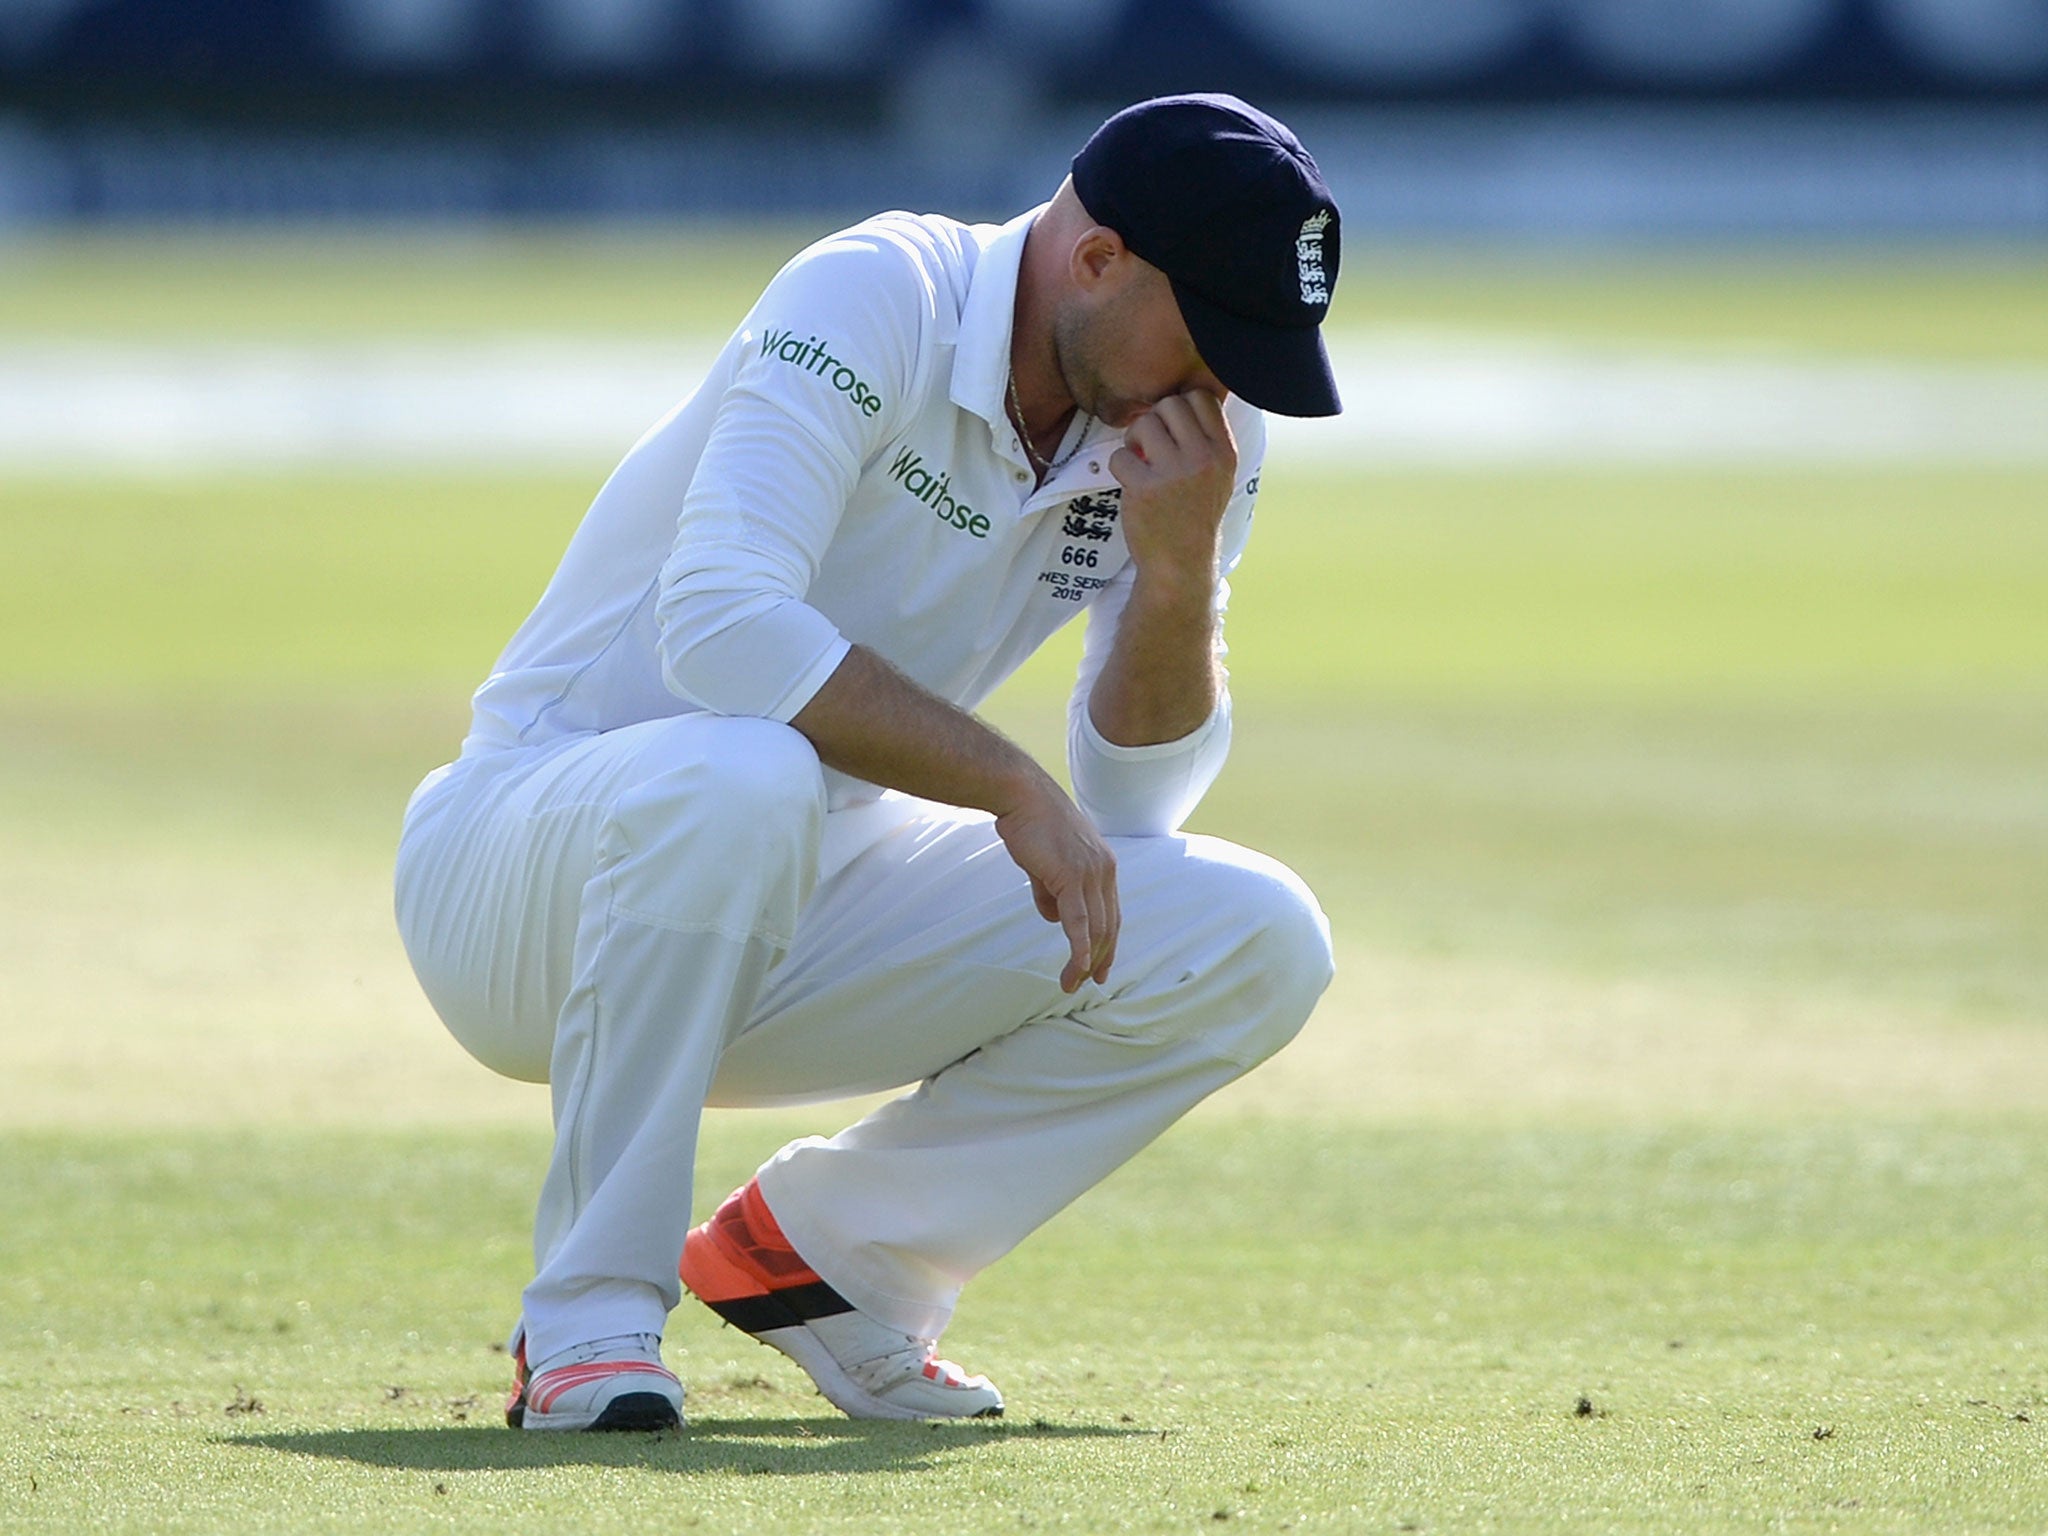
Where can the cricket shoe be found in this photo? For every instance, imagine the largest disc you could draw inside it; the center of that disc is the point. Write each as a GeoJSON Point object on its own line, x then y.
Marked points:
{"type": "Point", "coordinates": [741, 1266]}
{"type": "Point", "coordinates": [614, 1383]}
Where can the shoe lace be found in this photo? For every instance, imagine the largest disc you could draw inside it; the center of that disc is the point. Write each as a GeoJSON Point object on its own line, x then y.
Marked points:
{"type": "Point", "coordinates": [905, 1356]}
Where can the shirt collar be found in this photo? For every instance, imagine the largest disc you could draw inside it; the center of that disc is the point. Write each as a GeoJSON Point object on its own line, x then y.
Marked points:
{"type": "Point", "coordinates": [981, 358]}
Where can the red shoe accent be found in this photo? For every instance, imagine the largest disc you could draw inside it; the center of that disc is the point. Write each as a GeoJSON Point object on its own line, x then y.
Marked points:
{"type": "Point", "coordinates": [553, 1384]}
{"type": "Point", "coordinates": [741, 1252]}
{"type": "Point", "coordinates": [515, 1405]}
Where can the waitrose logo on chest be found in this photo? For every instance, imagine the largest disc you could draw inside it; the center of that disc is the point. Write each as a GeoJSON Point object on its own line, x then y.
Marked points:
{"type": "Point", "coordinates": [814, 357]}
{"type": "Point", "coordinates": [935, 489]}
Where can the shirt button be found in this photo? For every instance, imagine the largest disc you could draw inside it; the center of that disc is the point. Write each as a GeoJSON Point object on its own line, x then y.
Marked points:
{"type": "Point", "coordinates": [1022, 477]}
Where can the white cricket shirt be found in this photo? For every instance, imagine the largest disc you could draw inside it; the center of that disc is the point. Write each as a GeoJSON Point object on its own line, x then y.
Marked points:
{"type": "Point", "coordinates": [848, 473]}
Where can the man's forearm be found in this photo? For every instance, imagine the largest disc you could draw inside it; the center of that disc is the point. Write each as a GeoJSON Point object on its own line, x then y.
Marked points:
{"type": "Point", "coordinates": [871, 721]}
{"type": "Point", "coordinates": [1162, 679]}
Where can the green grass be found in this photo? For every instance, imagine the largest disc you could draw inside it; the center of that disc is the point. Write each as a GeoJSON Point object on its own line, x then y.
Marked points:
{"type": "Point", "coordinates": [357, 286]}
{"type": "Point", "coordinates": [1684, 832]}
{"type": "Point", "coordinates": [1770, 727]}
{"type": "Point", "coordinates": [1685, 1328]}
{"type": "Point", "coordinates": [228, 587]}
{"type": "Point", "coordinates": [1983, 304]}
{"type": "Point", "coordinates": [1682, 588]}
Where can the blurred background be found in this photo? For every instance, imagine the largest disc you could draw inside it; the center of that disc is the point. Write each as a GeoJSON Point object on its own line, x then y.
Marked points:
{"type": "Point", "coordinates": [1561, 118]}
{"type": "Point", "coordinates": [1648, 667]}
{"type": "Point", "coordinates": [1648, 670]}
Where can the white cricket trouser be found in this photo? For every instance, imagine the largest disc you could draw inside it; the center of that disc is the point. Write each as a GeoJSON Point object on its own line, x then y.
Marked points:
{"type": "Point", "coordinates": [664, 916]}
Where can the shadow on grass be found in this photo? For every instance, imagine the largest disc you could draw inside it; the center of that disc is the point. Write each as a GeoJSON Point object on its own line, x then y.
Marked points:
{"type": "Point", "coordinates": [783, 1447]}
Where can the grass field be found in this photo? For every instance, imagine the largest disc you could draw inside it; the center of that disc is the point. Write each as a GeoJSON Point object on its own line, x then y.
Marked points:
{"type": "Point", "coordinates": [1670, 1155]}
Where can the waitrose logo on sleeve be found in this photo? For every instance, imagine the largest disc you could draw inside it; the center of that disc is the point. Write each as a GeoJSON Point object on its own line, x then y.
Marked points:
{"type": "Point", "coordinates": [814, 357]}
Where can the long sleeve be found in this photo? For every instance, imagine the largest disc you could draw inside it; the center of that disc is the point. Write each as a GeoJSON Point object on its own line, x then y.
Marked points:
{"type": "Point", "coordinates": [830, 357]}
{"type": "Point", "coordinates": [1149, 791]}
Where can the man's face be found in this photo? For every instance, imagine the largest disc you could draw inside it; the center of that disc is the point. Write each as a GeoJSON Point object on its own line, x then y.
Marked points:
{"type": "Point", "coordinates": [1124, 347]}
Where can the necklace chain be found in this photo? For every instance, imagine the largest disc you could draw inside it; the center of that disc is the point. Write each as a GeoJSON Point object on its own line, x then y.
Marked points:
{"type": "Point", "coordinates": [1046, 468]}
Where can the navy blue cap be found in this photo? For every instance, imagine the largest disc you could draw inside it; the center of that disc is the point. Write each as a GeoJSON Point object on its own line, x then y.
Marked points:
{"type": "Point", "coordinates": [1225, 201]}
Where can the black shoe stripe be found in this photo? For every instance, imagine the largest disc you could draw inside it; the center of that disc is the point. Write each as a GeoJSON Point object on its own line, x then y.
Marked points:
{"type": "Point", "coordinates": [638, 1410]}
{"type": "Point", "coordinates": [790, 1308]}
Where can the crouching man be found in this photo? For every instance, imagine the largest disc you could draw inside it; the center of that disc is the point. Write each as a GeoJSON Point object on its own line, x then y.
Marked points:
{"type": "Point", "coordinates": [726, 831]}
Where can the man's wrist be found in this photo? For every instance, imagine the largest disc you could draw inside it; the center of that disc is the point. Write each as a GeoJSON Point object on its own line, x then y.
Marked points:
{"type": "Point", "coordinates": [1165, 590]}
{"type": "Point", "coordinates": [1025, 782]}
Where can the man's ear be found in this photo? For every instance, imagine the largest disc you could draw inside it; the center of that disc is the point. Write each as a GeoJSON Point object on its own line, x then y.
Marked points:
{"type": "Point", "coordinates": [1099, 254]}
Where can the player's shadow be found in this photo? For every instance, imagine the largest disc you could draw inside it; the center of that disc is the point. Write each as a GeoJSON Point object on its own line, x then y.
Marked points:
{"type": "Point", "coordinates": [780, 1447]}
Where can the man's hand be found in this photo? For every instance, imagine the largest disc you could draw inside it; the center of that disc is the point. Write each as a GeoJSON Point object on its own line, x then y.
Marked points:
{"type": "Point", "coordinates": [1177, 467]}
{"type": "Point", "coordinates": [1073, 878]}
{"type": "Point", "coordinates": [871, 721]}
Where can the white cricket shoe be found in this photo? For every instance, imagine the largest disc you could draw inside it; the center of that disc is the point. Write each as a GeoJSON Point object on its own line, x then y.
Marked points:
{"type": "Point", "coordinates": [614, 1383]}
{"type": "Point", "coordinates": [741, 1266]}
{"type": "Point", "coordinates": [870, 1371]}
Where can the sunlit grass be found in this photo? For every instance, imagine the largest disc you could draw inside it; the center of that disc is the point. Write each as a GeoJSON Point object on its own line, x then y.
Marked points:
{"type": "Point", "coordinates": [1985, 303]}
{"type": "Point", "coordinates": [1282, 1325]}
{"type": "Point", "coordinates": [1668, 1156]}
